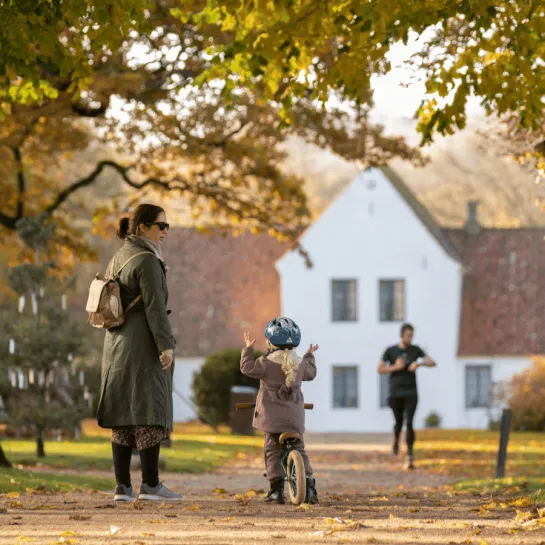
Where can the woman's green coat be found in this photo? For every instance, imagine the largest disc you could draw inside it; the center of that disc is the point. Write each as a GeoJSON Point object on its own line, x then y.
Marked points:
{"type": "Point", "coordinates": [135, 391]}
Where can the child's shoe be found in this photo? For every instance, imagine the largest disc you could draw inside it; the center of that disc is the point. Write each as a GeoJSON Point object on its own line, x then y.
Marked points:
{"type": "Point", "coordinates": [312, 495]}
{"type": "Point", "coordinates": [276, 491]}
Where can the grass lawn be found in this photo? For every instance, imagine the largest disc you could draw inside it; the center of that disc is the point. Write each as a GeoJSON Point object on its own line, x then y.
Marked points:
{"type": "Point", "coordinates": [472, 454]}
{"type": "Point", "coordinates": [18, 480]}
{"type": "Point", "coordinates": [195, 449]}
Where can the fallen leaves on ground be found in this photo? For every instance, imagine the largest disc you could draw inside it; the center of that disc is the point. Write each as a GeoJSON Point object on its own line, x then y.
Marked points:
{"type": "Point", "coordinates": [79, 517]}
{"type": "Point", "coordinates": [113, 530]}
{"type": "Point", "coordinates": [220, 491]}
{"type": "Point", "coordinates": [276, 535]}
{"type": "Point", "coordinates": [12, 495]}
{"type": "Point", "coordinates": [195, 507]}
{"type": "Point", "coordinates": [338, 525]}
{"type": "Point", "coordinates": [16, 505]}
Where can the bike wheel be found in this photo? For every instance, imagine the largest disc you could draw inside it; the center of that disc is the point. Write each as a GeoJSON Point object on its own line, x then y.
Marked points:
{"type": "Point", "coordinates": [297, 478]}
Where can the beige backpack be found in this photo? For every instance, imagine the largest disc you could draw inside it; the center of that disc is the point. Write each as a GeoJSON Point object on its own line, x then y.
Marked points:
{"type": "Point", "coordinates": [104, 302]}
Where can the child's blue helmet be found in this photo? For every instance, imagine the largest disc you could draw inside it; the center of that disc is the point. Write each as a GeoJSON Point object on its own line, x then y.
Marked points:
{"type": "Point", "coordinates": [283, 333]}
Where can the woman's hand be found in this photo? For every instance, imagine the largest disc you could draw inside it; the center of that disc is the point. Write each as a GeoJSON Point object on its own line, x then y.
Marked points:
{"type": "Point", "coordinates": [167, 358]}
{"type": "Point", "coordinates": [312, 348]}
{"type": "Point", "coordinates": [248, 340]}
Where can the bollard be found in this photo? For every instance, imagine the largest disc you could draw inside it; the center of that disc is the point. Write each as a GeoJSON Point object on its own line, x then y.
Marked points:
{"type": "Point", "coordinates": [504, 439]}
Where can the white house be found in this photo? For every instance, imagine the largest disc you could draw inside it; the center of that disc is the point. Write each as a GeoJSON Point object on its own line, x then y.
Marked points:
{"type": "Point", "coordinates": [381, 260]}
{"type": "Point", "coordinates": [474, 296]}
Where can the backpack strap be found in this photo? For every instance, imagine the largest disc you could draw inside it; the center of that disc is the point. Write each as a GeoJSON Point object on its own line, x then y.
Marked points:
{"type": "Point", "coordinates": [128, 261]}
{"type": "Point", "coordinates": [133, 303]}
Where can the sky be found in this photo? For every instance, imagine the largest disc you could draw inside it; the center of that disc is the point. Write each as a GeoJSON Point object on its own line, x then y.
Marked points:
{"type": "Point", "coordinates": [396, 103]}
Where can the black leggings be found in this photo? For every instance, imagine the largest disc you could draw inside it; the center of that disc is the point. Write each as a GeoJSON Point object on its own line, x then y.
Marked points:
{"type": "Point", "coordinates": [149, 459]}
{"type": "Point", "coordinates": [400, 406]}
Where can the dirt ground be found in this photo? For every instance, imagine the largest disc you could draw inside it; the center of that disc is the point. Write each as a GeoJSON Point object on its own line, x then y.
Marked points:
{"type": "Point", "coordinates": [366, 497]}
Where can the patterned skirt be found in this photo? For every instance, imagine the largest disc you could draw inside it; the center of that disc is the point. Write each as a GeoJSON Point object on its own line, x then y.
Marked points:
{"type": "Point", "coordinates": [140, 437]}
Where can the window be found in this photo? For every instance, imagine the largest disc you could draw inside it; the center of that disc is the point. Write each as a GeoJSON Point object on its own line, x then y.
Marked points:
{"type": "Point", "coordinates": [392, 300]}
{"type": "Point", "coordinates": [344, 300]}
{"type": "Point", "coordinates": [345, 387]}
{"type": "Point", "coordinates": [478, 383]}
{"type": "Point", "coordinates": [384, 390]}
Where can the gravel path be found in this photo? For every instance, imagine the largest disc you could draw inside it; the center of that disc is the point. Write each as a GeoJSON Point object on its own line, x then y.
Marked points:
{"type": "Point", "coordinates": [366, 497]}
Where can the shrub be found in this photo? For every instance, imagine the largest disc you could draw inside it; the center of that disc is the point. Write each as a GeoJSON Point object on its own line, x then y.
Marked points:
{"type": "Point", "coordinates": [526, 392]}
{"type": "Point", "coordinates": [433, 420]}
{"type": "Point", "coordinates": [212, 385]}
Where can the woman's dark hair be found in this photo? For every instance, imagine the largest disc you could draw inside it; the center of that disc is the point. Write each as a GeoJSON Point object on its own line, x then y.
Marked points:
{"type": "Point", "coordinates": [144, 213]}
{"type": "Point", "coordinates": [406, 327]}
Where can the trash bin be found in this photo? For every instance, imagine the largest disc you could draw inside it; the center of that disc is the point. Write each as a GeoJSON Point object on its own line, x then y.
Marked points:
{"type": "Point", "coordinates": [241, 421]}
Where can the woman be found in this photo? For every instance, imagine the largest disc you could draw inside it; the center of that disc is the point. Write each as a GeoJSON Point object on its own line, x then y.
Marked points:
{"type": "Point", "coordinates": [137, 363]}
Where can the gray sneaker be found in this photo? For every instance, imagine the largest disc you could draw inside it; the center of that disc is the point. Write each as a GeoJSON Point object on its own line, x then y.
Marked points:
{"type": "Point", "coordinates": [122, 493]}
{"type": "Point", "coordinates": [158, 493]}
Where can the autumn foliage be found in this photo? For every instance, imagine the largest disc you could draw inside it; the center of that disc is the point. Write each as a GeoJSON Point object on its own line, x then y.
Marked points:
{"type": "Point", "coordinates": [526, 395]}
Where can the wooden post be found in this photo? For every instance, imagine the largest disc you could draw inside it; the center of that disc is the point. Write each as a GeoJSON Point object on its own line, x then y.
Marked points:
{"type": "Point", "coordinates": [504, 440]}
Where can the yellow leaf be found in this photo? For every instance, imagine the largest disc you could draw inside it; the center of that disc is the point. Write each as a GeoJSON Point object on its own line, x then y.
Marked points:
{"type": "Point", "coordinates": [522, 502]}
{"type": "Point", "coordinates": [16, 505]}
{"type": "Point", "coordinates": [25, 539]}
{"type": "Point", "coordinates": [522, 516]}
{"type": "Point", "coordinates": [489, 506]}
{"type": "Point", "coordinates": [476, 532]}
{"type": "Point", "coordinates": [68, 533]}
{"type": "Point", "coordinates": [392, 516]}
{"type": "Point", "coordinates": [147, 534]}
{"type": "Point", "coordinates": [412, 510]}
{"type": "Point", "coordinates": [12, 495]}
{"type": "Point", "coordinates": [220, 491]}
{"type": "Point", "coordinates": [483, 542]}
{"type": "Point", "coordinates": [303, 507]}
{"type": "Point", "coordinates": [193, 508]}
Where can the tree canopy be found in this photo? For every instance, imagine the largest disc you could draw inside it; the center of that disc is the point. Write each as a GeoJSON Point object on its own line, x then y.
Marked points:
{"type": "Point", "coordinates": [486, 48]}
{"type": "Point", "coordinates": [219, 144]}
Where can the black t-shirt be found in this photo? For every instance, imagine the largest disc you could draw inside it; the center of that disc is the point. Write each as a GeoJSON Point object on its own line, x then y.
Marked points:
{"type": "Point", "coordinates": [403, 383]}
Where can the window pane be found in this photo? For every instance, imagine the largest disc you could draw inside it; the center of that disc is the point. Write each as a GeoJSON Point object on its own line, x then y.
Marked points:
{"type": "Point", "coordinates": [345, 387]}
{"type": "Point", "coordinates": [478, 383]}
{"type": "Point", "coordinates": [392, 300]}
{"type": "Point", "coordinates": [386, 301]}
{"type": "Point", "coordinates": [344, 300]}
{"type": "Point", "coordinates": [399, 300]}
{"type": "Point", "coordinates": [384, 390]}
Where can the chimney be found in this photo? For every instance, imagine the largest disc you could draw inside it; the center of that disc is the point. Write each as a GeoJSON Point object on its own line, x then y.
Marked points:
{"type": "Point", "coordinates": [472, 226]}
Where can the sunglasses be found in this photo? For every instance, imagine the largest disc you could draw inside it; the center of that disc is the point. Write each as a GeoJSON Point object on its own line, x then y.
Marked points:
{"type": "Point", "coordinates": [163, 225]}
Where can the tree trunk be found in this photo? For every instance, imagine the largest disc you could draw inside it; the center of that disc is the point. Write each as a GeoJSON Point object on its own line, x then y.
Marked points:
{"type": "Point", "coordinates": [4, 462]}
{"type": "Point", "coordinates": [40, 451]}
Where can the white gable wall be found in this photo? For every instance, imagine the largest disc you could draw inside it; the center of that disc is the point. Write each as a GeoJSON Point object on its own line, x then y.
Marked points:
{"type": "Point", "coordinates": [370, 234]}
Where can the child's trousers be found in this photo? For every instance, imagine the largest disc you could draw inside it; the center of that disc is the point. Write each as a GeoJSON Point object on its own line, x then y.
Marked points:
{"type": "Point", "coordinates": [273, 455]}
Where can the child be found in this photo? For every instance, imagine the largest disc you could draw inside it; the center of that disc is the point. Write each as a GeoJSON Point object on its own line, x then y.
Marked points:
{"type": "Point", "coordinates": [280, 404]}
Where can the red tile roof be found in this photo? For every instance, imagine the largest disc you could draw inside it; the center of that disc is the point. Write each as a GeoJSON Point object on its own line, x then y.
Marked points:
{"type": "Point", "coordinates": [220, 286]}
{"type": "Point", "coordinates": [503, 295]}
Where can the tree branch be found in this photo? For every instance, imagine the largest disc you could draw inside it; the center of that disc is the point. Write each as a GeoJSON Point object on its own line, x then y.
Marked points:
{"type": "Point", "coordinates": [122, 171]}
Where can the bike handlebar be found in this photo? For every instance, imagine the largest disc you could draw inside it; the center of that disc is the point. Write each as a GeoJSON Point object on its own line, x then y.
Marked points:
{"type": "Point", "coordinates": [239, 406]}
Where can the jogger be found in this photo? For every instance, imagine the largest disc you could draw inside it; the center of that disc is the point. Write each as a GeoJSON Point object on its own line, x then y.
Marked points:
{"type": "Point", "coordinates": [401, 361]}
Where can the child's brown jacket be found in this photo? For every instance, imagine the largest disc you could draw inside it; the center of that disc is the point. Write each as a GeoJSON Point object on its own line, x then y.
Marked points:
{"type": "Point", "coordinates": [280, 402]}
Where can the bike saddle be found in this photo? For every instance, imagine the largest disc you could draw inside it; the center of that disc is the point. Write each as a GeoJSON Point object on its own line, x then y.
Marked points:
{"type": "Point", "coordinates": [289, 436]}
